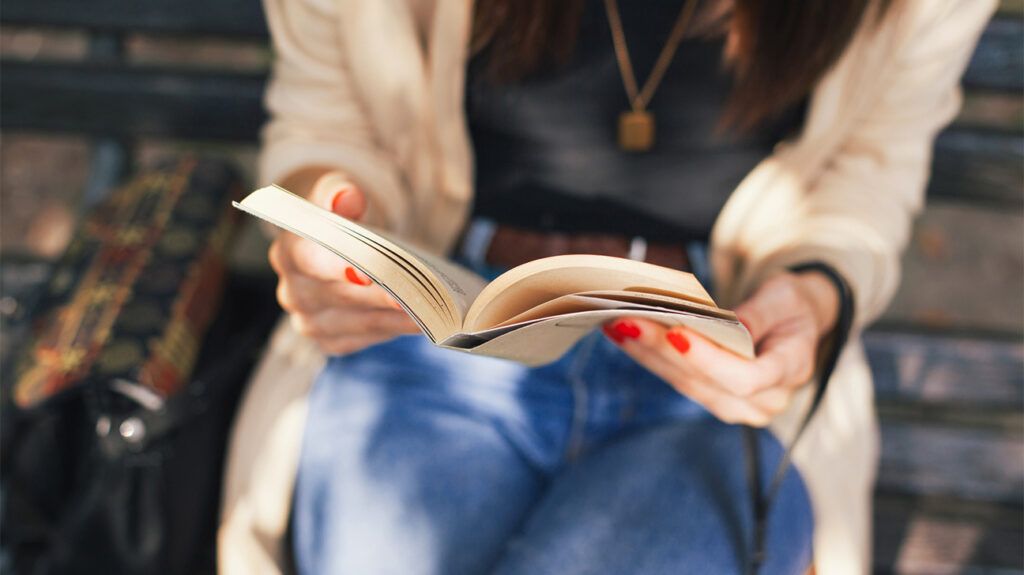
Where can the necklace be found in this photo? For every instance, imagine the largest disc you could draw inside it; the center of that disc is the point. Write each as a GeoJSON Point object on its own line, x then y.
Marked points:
{"type": "Point", "coordinates": [636, 125]}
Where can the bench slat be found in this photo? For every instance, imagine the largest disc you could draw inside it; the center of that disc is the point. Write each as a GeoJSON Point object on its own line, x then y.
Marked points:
{"type": "Point", "coordinates": [937, 369]}
{"type": "Point", "coordinates": [961, 462]}
{"type": "Point", "coordinates": [122, 100]}
{"type": "Point", "coordinates": [995, 111]}
{"type": "Point", "coordinates": [1011, 7]}
{"type": "Point", "coordinates": [978, 165]}
{"type": "Point", "coordinates": [240, 18]}
{"type": "Point", "coordinates": [933, 536]}
{"type": "Point", "coordinates": [963, 271]}
{"type": "Point", "coordinates": [997, 63]}
{"type": "Point", "coordinates": [125, 101]}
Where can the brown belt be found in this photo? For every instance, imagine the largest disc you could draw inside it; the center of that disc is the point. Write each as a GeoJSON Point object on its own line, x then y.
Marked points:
{"type": "Point", "coordinates": [510, 246]}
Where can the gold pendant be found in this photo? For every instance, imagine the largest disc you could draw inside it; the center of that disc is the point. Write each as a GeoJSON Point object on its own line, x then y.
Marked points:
{"type": "Point", "coordinates": [636, 130]}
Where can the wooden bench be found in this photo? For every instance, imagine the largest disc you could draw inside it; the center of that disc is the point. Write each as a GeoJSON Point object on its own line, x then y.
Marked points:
{"type": "Point", "coordinates": [948, 360]}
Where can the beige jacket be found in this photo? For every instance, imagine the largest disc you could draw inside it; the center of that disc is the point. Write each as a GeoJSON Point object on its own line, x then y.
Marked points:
{"type": "Point", "coordinates": [376, 88]}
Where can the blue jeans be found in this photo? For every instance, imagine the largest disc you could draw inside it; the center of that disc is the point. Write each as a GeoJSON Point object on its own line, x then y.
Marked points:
{"type": "Point", "coordinates": [418, 460]}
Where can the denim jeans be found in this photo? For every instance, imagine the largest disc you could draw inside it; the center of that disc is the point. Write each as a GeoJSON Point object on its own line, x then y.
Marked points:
{"type": "Point", "coordinates": [419, 460]}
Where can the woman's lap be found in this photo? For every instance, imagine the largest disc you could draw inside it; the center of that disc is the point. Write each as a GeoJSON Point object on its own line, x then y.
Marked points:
{"type": "Point", "coordinates": [483, 465]}
{"type": "Point", "coordinates": [671, 500]}
{"type": "Point", "coordinates": [393, 479]}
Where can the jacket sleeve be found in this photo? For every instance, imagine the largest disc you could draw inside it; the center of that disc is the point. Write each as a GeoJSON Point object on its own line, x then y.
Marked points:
{"type": "Point", "coordinates": [856, 215]}
{"type": "Point", "coordinates": [316, 116]}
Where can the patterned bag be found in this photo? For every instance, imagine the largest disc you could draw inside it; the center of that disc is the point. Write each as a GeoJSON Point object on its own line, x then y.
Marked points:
{"type": "Point", "coordinates": [113, 439]}
{"type": "Point", "coordinates": [135, 289]}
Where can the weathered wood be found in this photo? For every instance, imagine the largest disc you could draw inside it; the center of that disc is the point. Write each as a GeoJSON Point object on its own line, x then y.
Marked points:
{"type": "Point", "coordinates": [240, 18]}
{"type": "Point", "coordinates": [122, 101]}
{"type": "Point", "coordinates": [128, 101]}
{"type": "Point", "coordinates": [994, 111]}
{"type": "Point", "coordinates": [978, 165]}
{"type": "Point", "coordinates": [1011, 7]}
{"type": "Point", "coordinates": [997, 63]}
{"type": "Point", "coordinates": [915, 536]}
{"type": "Point", "coordinates": [938, 369]}
{"type": "Point", "coordinates": [961, 462]}
{"type": "Point", "coordinates": [963, 271]}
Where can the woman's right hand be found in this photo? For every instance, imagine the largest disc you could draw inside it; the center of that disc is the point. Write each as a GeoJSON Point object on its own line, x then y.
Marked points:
{"type": "Point", "coordinates": [328, 300]}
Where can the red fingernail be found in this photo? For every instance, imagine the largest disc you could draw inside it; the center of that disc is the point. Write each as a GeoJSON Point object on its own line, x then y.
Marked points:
{"type": "Point", "coordinates": [612, 334]}
{"type": "Point", "coordinates": [678, 341]}
{"type": "Point", "coordinates": [626, 329]}
{"type": "Point", "coordinates": [353, 276]}
{"type": "Point", "coordinates": [336, 201]}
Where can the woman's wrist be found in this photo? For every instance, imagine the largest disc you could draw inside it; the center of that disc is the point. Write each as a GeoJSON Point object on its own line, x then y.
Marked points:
{"type": "Point", "coordinates": [822, 294]}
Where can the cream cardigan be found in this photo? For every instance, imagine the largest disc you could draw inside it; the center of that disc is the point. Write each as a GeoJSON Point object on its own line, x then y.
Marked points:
{"type": "Point", "coordinates": [376, 89]}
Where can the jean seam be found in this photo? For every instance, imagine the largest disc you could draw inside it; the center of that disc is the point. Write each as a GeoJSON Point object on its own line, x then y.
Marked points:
{"type": "Point", "coordinates": [628, 390]}
{"type": "Point", "coordinates": [581, 399]}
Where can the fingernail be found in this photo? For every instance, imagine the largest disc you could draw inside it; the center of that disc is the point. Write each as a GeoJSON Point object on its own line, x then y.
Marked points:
{"type": "Point", "coordinates": [336, 202]}
{"type": "Point", "coordinates": [612, 334]}
{"type": "Point", "coordinates": [678, 341]}
{"type": "Point", "coordinates": [355, 277]}
{"type": "Point", "coordinates": [626, 329]}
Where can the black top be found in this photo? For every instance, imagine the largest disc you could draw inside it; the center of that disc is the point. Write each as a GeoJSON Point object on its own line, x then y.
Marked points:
{"type": "Point", "coordinates": [546, 147]}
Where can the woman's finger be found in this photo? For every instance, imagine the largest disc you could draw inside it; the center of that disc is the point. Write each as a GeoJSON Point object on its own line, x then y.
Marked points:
{"type": "Point", "coordinates": [764, 388]}
{"type": "Point", "coordinates": [356, 277]}
{"type": "Point", "coordinates": [773, 400]}
{"type": "Point", "coordinates": [772, 304]}
{"type": "Point", "coordinates": [291, 254]}
{"type": "Point", "coordinates": [734, 374]}
{"type": "Point", "coordinates": [340, 322]}
{"type": "Point", "coordinates": [700, 357]}
{"type": "Point", "coordinates": [335, 192]}
{"type": "Point", "coordinates": [347, 344]}
{"type": "Point", "coordinates": [305, 294]}
{"type": "Point", "coordinates": [638, 341]}
{"type": "Point", "coordinates": [723, 405]}
{"type": "Point", "coordinates": [790, 353]}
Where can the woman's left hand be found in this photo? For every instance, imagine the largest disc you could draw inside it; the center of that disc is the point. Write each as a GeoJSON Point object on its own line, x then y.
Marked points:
{"type": "Point", "coordinates": [786, 317]}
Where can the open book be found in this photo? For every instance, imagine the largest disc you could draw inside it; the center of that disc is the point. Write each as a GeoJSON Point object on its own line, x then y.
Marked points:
{"type": "Point", "coordinates": [532, 313]}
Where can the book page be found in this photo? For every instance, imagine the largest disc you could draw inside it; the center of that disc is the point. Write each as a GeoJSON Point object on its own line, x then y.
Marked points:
{"type": "Point", "coordinates": [463, 285]}
{"type": "Point", "coordinates": [610, 299]}
{"type": "Point", "coordinates": [543, 341]}
{"type": "Point", "coordinates": [532, 284]}
{"type": "Point", "coordinates": [414, 285]}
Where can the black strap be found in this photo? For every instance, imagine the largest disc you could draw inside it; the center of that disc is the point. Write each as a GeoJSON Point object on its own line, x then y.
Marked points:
{"type": "Point", "coordinates": [761, 501]}
{"type": "Point", "coordinates": [206, 388]}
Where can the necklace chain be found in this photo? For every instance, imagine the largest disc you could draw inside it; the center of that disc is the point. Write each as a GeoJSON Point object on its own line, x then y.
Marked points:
{"type": "Point", "coordinates": [639, 98]}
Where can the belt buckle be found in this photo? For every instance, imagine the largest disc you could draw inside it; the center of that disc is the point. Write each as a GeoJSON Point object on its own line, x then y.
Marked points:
{"type": "Point", "coordinates": [637, 249]}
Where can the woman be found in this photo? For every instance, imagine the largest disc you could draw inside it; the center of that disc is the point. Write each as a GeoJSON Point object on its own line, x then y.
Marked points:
{"type": "Point", "coordinates": [596, 130]}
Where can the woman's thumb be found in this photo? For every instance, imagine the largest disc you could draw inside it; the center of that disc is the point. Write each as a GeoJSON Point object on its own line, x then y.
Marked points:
{"type": "Point", "coordinates": [340, 196]}
{"type": "Point", "coordinates": [349, 202]}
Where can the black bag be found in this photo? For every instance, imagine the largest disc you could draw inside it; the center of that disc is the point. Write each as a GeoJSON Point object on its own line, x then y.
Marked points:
{"type": "Point", "coordinates": [104, 474]}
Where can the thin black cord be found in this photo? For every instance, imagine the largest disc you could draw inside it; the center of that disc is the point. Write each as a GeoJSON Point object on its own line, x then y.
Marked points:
{"type": "Point", "coordinates": [762, 501]}
{"type": "Point", "coordinates": [753, 457]}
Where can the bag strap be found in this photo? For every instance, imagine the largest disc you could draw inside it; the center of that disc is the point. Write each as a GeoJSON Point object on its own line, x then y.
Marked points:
{"type": "Point", "coordinates": [206, 388]}
{"type": "Point", "coordinates": [762, 500]}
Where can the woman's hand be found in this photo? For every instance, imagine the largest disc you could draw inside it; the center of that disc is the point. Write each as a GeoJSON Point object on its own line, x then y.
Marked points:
{"type": "Point", "coordinates": [328, 300]}
{"type": "Point", "coordinates": [786, 318]}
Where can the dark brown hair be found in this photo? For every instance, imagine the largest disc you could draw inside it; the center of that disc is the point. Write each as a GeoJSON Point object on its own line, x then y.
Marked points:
{"type": "Point", "coordinates": [776, 49]}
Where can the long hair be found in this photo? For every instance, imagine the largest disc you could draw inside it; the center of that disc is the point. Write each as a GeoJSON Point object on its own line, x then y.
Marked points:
{"type": "Point", "coordinates": [776, 50]}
